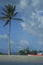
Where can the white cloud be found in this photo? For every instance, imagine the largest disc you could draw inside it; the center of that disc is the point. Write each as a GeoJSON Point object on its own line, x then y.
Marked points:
{"type": "Point", "coordinates": [33, 18]}
{"type": "Point", "coordinates": [40, 41]}
{"type": "Point", "coordinates": [23, 4]}
{"type": "Point", "coordinates": [18, 45]}
{"type": "Point", "coordinates": [23, 24]}
{"type": "Point", "coordinates": [35, 2]}
{"type": "Point", "coordinates": [34, 24]}
{"type": "Point", "coordinates": [11, 42]}
{"type": "Point", "coordinates": [24, 42]}
{"type": "Point", "coordinates": [3, 36]}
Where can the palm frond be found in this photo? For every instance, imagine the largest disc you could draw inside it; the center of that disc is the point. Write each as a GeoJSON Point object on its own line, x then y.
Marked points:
{"type": "Point", "coordinates": [3, 18]}
{"type": "Point", "coordinates": [9, 8]}
{"type": "Point", "coordinates": [14, 8]}
{"type": "Point", "coordinates": [9, 13]}
{"type": "Point", "coordinates": [6, 23]}
{"type": "Point", "coordinates": [18, 19]}
{"type": "Point", "coordinates": [4, 9]}
{"type": "Point", "coordinates": [3, 13]}
{"type": "Point", "coordinates": [15, 14]}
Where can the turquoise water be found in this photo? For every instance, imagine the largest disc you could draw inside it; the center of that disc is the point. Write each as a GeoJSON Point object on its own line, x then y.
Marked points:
{"type": "Point", "coordinates": [19, 63]}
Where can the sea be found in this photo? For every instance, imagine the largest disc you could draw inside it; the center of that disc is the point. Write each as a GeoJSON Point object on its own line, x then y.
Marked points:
{"type": "Point", "coordinates": [20, 63]}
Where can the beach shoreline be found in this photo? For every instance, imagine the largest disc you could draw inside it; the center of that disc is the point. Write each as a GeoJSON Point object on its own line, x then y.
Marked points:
{"type": "Point", "coordinates": [20, 58]}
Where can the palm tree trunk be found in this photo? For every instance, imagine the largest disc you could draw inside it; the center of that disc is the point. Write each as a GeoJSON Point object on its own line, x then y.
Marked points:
{"type": "Point", "coordinates": [9, 30]}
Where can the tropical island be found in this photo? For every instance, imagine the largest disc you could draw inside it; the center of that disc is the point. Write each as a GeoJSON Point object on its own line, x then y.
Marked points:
{"type": "Point", "coordinates": [12, 38]}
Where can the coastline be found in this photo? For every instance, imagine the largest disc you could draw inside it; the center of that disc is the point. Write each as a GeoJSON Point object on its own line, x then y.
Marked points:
{"type": "Point", "coordinates": [20, 58]}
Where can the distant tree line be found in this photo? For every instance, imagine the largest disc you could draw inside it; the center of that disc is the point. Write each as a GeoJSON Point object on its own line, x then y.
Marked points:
{"type": "Point", "coordinates": [28, 51]}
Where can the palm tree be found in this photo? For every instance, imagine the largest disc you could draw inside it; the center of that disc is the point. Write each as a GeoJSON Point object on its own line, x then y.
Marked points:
{"type": "Point", "coordinates": [9, 14]}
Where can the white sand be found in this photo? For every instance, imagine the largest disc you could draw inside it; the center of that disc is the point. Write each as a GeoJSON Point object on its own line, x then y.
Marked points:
{"type": "Point", "coordinates": [21, 58]}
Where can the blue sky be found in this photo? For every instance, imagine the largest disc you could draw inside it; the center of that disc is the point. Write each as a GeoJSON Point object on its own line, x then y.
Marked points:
{"type": "Point", "coordinates": [24, 34]}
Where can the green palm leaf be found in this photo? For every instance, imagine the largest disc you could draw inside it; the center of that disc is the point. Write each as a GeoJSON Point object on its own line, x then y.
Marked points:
{"type": "Point", "coordinates": [13, 10]}
{"type": "Point", "coordinates": [15, 14]}
{"type": "Point", "coordinates": [3, 18]}
{"type": "Point", "coordinates": [9, 8]}
{"type": "Point", "coordinates": [6, 23]}
{"type": "Point", "coordinates": [3, 13]}
{"type": "Point", "coordinates": [18, 19]}
{"type": "Point", "coordinates": [4, 9]}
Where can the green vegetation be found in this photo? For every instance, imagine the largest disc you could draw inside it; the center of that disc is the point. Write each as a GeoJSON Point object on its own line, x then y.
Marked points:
{"type": "Point", "coordinates": [8, 14]}
{"type": "Point", "coordinates": [21, 52]}
{"type": "Point", "coordinates": [34, 52]}
{"type": "Point", "coordinates": [27, 51]}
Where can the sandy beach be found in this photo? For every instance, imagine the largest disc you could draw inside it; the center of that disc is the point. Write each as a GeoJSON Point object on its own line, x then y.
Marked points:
{"type": "Point", "coordinates": [21, 58]}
